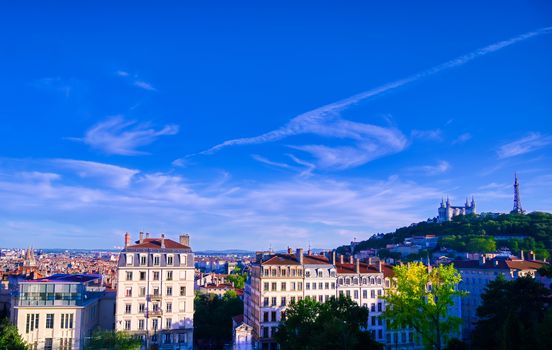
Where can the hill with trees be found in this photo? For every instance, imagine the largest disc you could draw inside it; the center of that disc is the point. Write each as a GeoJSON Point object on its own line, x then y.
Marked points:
{"type": "Point", "coordinates": [473, 232]}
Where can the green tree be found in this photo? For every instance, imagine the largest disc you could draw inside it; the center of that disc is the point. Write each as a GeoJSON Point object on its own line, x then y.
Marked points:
{"type": "Point", "coordinates": [238, 280]}
{"type": "Point", "coordinates": [335, 324]}
{"type": "Point", "coordinates": [9, 337]}
{"type": "Point", "coordinates": [511, 316]}
{"type": "Point", "coordinates": [213, 319]}
{"type": "Point", "coordinates": [109, 340]}
{"type": "Point", "coordinates": [421, 300]}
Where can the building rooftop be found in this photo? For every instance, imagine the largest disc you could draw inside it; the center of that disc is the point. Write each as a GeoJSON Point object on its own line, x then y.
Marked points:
{"type": "Point", "coordinates": [501, 264]}
{"type": "Point", "coordinates": [66, 278]}
{"type": "Point", "coordinates": [155, 243]}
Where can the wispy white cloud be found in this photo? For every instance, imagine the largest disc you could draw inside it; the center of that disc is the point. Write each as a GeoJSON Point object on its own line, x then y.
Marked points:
{"type": "Point", "coordinates": [267, 161]}
{"type": "Point", "coordinates": [117, 135]}
{"type": "Point", "coordinates": [435, 169]}
{"type": "Point", "coordinates": [314, 120]}
{"type": "Point", "coordinates": [309, 167]}
{"type": "Point", "coordinates": [289, 211]}
{"type": "Point", "coordinates": [462, 138]}
{"type": "Point", "coordinates": [113, 175]}
{"type": "Point", "coordinates": [532, 142]}
{"type": "Point", "coordinates": [432, 135]}
{"type": "Point", "coordinates": [135, 80]}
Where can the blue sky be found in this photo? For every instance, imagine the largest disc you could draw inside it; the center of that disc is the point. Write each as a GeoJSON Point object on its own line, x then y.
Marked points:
{"type": "Point", "coordinates": [251, 125]}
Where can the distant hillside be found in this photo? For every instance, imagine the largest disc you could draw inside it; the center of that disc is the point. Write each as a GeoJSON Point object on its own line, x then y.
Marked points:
{"type": "Point", "coordinates": [536, 225]}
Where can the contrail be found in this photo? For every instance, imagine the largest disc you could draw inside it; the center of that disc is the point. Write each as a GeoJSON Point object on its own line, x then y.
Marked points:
{"type": "Point", "coordinates": [307, 122]}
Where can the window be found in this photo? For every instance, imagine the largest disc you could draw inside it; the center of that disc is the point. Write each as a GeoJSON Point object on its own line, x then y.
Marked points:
{"type": "Point", "coordinates": [273, 272]}
{"type": "Point", "coordinates": [373, 307]}
{"type": "Point", "coordinates": [379, 292]}
{"type": "Point", "coordinates": [265, 332]}
{"type": "Point", "coordinates": [141, 325]}
{"type": "Point", "coordinates": [320, 285]}
{"type": "Point", "coordinates": [143, 260]}
{"type": "Point", "coordinates": [273, 301]}
{"type": "Point", "coordinates": [348, 293]}
{"type": "Point", "coordinates": [292, 300]}
{"type": "Point", "coordinates": [307, 273]}
{"type": "Point", "coordinates": [300, 286]}
{"type": "Point", "coordinates": [379, 307]}
{"type": "Point", "coordinates": [321, 298]}
{"type": "Point", "coordinates": [365, 293]}
{"type": "Point", "coordinates": [128, 308]}
{"type": "Point", "coordinates": [156, 291]}
{"type": "Point", "coordinates": [156, 260]}
{"type": "Point", "coordinates": [169, 291]}
{"type": "Point", "coordinates": [380, 334]}
{"type": "Point", "coordinates": [127, 325]}
{"type": "Point", "coordinates": [28, 324]}
{"type": "Point", "coordinates": [266, 285]}
{"type": "Point", "coordinates": [265, 302]}
{"type": "Point", "coordinates": [283, 286]}
{"type": "Point", "coordinates": [36, 321]}
{"type": "Point", "coordinates": [67, 321]}
{"type": "Point", "coordinates": [283, 301]}
{"type": "Point", "coordinates": [183, 259]}
{"type": "Point", "coordinates": [274, 286]}
{"type": "Point", "coordinates": [169, 259]}
{"type": "Point", "coordinates": [320, 274]}
{"type": "Point", "coordinates": [156, 275]}
{"type": "Point", "coordinates": [266, 272]}
{"type": "Point", "coordinates": [327, 285]}
{"type": "Point", "coordinates": [333, 285]}
{"type": "Point", "coordinates": [292, 285]}
{"type": "Point", "coordinates": [273, 316]}
{"type": "Point", "coordinates": [129, 276]}
{"type": "Point", "coordinates": [373, 293]}
{"type": "Point", "coordinates": [155, 323]}
{"type": "Point", "coordinates": [373, 320]}
{"type": "Point", "coordinates": [142, 291]}
{"type": "Point", "coordinates": [48, 343]}
{"type": "Point", "coordinates": [142, 275]}
{"type": "Point", "coordinates": [50, 321]}
{"type": "Point", "coordinates": [265, 316]}
{"type": "Point", "coordinates": [307, 286]}
{"type": "Point", "coordinates": [283, 272]}
{"type": "Point", "coordinates": [169, 308]}
{"type": "Point", "coordinates": [128, 292]}
{"type": "Point", "coordinates": [182, 291]}
{"type": "Point", "coordinates": [169, 275]}
{"type": "Point", "coordinates": [356, 294]}
{"type": "Point", "coordinates": [142, 307]}
{"type": "Point", "coordinates": [129, 259]}
{"type": "Point", "coordinates": [168, 323]}
{"type": "Point", "coordinates": [314, 286]}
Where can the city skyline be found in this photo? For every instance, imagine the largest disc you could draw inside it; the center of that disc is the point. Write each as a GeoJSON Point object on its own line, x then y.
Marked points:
{"type": "Point", "coordinates": [284, 124]}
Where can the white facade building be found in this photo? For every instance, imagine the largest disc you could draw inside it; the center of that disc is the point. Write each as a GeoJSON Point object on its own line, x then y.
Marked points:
{"type": "Point", "coordinates": [61, 311]}
{"type": "Point", "coordinates": [155, 291]}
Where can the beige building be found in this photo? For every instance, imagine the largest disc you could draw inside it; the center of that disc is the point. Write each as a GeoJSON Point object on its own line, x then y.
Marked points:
{"type": "Point", "coordinates": [275, 281]}
{"type": "Point", "coordinates": [61, 311]}
{"type": "Point", "coordinates": [155, 291]}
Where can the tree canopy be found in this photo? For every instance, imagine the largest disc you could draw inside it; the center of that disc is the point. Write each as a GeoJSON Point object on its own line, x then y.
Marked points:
{"type": "Point", "coordinates": [421, 299]}
{"type": "Point", "coordinates": [213, 319]}
{"type": "Point", "coordinates": [514, 315]}
{"type": "Point", "coordinates": [336, 324]}
{"type": "Point", "coordinates": [109, 340]}
{"type": "Point", "coordinates": [536, 225]}
{"type": "Point", "coordinates": [9, 337]}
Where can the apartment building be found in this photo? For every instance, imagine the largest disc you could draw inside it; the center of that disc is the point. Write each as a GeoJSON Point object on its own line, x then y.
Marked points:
{"type": "Point", "coordinates": [275, 281]}
{"type": "Point", "coordinates": [320, 277]}
{"type": "Point", "coordinates": [476, 274]}
{"type": "Point", "coordinates": [61, 311]}
{"type": "Point", "coordinates": [155, 291]}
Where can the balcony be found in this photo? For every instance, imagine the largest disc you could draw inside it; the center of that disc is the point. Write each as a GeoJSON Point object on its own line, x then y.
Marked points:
{"type": "Point", "coordinates": [154, 313]}
{"type": "Point", "coordinates": [154, 297]}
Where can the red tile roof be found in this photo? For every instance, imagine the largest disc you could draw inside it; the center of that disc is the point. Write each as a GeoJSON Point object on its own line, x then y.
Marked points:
{"type": "Point", "coordinates": [347, 268]}
{"type": "Point", "coordinates": [501, 264]}
{"type": "Point", "coordinates": [281, 259]}
{"type": "Point", "coordinates": [315, 260]}
{"type": "Point", "coordinates": [155, 243]}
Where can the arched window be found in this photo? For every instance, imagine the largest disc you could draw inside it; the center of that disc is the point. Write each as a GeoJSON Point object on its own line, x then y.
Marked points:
{"type": "Point", "coordinates": [347, 280]}
{"type": "Point", "coordinates": [379, 280]}
{"type": "Point", "coordinates": [372, 280]}
{"type": "Point", "coordinates": [340, 281]}
{"type": "Point", "coordinates": [355, 280]}
{"type": "Point", "coordinates": [363, 280]}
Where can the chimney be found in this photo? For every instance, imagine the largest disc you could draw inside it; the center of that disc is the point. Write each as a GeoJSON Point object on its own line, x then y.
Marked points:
{"type": "Point", "coordinates": [162, 240]}
{"type": "Point", "coordinates": [147, 234]}
{"type": "Point", "coordinates": [532, 255]}
{"type": "Point", "coordinates": [333, 257]}
{"type": "Point", "coordinates": [341, 259]}
{"type": "Point", "coordinates": [379, 265]}
{"type": "Point", "coordinates": [522, 255]}
{"type": "Point", "coordinates": [127, 239]}
{"type": "Point", "coordinates": [370, 261]}
{"type": "Point", "coordinates": [357, 265]}
{"type": "Point", "coordinates": [289, 250]}
{"type": "Point", "coordinates": [141, 237]}
{"type": "Point", "coordinates": [299, 255]}
{"type": "Point", "coordinates": [309, 252]}
{"type": "Point", "coordinates": [351, 259]}
{"type": "Point", "coordinates": [185, 239]}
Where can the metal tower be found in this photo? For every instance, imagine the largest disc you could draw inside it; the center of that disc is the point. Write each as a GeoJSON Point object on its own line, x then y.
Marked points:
{"type": "Point", "coordinates": [517, 200]}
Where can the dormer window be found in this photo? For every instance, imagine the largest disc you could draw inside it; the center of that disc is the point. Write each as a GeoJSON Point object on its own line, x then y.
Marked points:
{"type": "Point", "coordinates": [170, 259]}
{"type": "Point", "coordinates": [130, 259]}
{"type": "Point", "coordinates": [307, 273]}
{"type": "Point", "coordinates": [143, 260]}
{"type": "Point", "coordinates": [156, 260]}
